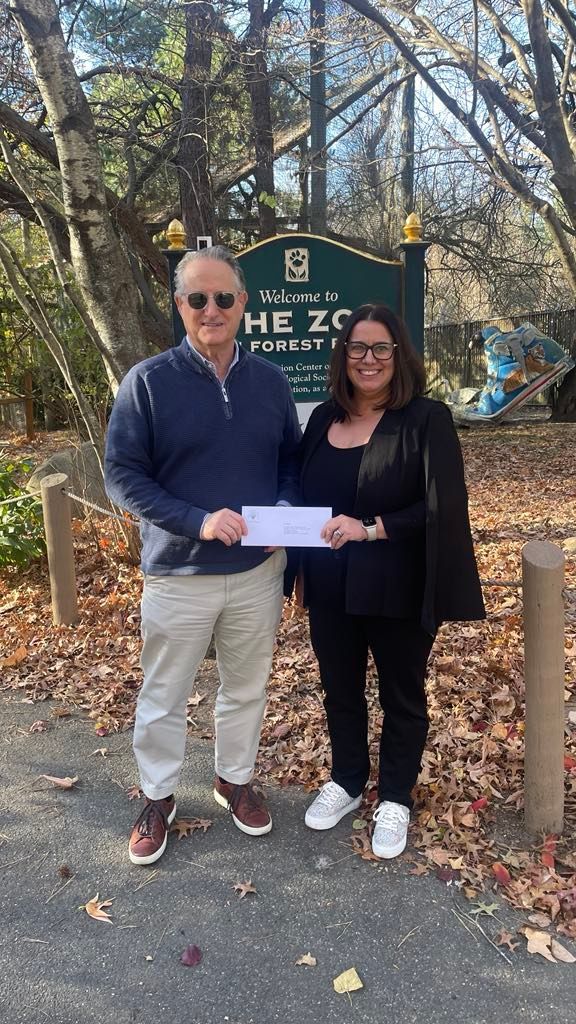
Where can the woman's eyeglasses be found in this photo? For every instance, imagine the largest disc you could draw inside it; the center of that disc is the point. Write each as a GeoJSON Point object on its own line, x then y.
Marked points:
{"type": "Point", "coordinates": [224, 300]}
{"type": "Point", "coordinates": [381, 350]}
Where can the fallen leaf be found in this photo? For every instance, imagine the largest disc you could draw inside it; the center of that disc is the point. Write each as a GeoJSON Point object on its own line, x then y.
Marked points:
{"type": "Point", "coordinates": [196, 699]}
{"type": "Point", "coordinates": [182, 827]}
{"type": "Point", "coordinates": [65, 783]}
{"type": "Point", "coordinates": [307, 960]}
{"type": "Point", "coordinates": [446, 874]}
{"type": "Point", "coordinates": [14, 659]}
{"type": "Point", "coordinates": [191, 956]}
{"type": "Point", "coordinates": [504, 938]}
{"type": "Point", "coordinates": [348, 981]}
{"type": "Point", "coordinates": [548, 851]}
{"type": "Point", "coordinates": [243, 888]}
{"type": "Point", "coordinates": [100, 750]}
{"type": "Point", "coordinates": [538, 942]}
{"type": "Point", "coordinates": [561, 953]}
{"type": "Point", "coordinates": [568, 904]}
{"type": "Point", "coordinates": [185, 826]}
{"type": "Point", "coordinates": [501, 873]}
{"type": "Point", "coordinates": [39, 726]}
{"type": "Point", "coordinates": [484, 908]}
{"type": "Point", "coordinates": [420, 869]}
{"type": "Point", "coordinates": [281, 731]}
{"type": "Point", "coordinates": [64, 871]}
{"type": "Point", "coordinates": [540, 920]}
{"type": "Point", "coordinates": [133, 792]}
{"type": "Point", "coordinates": [94, 908]}
{"type": "Point", "coordinates": [359, 824]}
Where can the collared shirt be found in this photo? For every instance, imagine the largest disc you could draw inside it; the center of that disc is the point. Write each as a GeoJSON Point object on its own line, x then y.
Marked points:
{"type": "Point", "coordinates": [208, 362]}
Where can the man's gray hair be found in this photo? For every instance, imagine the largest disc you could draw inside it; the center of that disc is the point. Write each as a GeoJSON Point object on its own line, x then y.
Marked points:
{"type": "Point", "coordinates": [214, 252]}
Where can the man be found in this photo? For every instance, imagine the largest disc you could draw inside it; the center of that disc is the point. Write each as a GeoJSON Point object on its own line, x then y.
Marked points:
{"type": "Point", "coordinates": [195, 433]}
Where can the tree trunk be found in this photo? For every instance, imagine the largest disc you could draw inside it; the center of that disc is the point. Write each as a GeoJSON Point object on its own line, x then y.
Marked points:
{"type": "Point", "coordinates": [564, 410]}
{"type": "Point", "coordinates": [407, 147]}
{"type": "Point", "coordinates": [258, 83]}
{"type": "Point", "coordinates": [193, 157]}
{"type": "Point", "coordinates": [318, 220]}
{"type": "Point", "coordinates": [559, 137]}
{"type": "Point", "coordinates": [102, 271]}
{"type": "Point", "coordinates": [303, 180]}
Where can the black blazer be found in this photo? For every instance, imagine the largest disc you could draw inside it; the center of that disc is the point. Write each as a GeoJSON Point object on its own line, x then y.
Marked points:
{"type": "Point", "coordinates": [411, 475]}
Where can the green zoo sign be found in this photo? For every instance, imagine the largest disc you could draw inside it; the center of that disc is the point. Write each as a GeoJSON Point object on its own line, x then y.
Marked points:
{"type": "Point", "coordinates": [301, 288]}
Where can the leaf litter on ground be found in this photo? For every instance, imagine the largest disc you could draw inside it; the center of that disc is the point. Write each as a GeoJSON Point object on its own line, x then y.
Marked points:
{"type": "Point", "coordinates": [522, 485]}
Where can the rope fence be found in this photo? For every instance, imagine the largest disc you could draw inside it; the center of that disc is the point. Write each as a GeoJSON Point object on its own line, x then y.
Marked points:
{"type": "Point", "coordinates": [131, 520]}
{"type": "Point", "coordinates": [21, 497]}
{"type": "Point", "coordinates": [126, 518]}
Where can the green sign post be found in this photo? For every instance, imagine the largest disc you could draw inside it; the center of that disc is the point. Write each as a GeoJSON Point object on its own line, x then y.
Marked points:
{"type": "Point", "coordinates": [302, 287]}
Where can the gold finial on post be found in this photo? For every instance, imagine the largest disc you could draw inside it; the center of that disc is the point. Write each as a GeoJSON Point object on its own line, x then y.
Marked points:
{"type": "Point", "coordinates": [176, 235]}
{"type": "Point", "coordinates": [413, 228]}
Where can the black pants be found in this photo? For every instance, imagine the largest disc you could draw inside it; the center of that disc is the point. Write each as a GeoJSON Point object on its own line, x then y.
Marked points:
{"type": "Point", "coordinates": [400, 649]}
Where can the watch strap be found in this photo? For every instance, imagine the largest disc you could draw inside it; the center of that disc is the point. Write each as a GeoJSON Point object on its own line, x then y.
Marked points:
{"type": "Point", "coordinates": [371, 528]}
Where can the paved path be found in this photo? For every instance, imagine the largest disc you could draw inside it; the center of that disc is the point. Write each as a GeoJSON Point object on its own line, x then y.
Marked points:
{"type": "Point", "coordinates": [418, 963]}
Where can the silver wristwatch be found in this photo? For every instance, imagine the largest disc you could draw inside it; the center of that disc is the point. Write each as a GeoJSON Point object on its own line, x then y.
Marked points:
{"type": "Point", "coordinates": [369, 524]}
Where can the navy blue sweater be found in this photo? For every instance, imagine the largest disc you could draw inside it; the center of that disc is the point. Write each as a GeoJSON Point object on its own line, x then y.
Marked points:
{"type": "Point", "coordinates": [180, 445]}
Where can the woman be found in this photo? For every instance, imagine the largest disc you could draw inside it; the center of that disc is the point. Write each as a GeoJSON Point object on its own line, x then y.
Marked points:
{"type": "Point", "coordinates": [400, 561]}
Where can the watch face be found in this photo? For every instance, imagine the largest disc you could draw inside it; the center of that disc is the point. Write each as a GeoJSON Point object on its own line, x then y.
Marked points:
{"type": "Point", "coordinates": [369, 521]}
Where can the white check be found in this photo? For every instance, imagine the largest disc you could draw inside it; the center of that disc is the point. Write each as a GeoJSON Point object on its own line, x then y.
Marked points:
{"type": "Point", "coordinates": [284, 526]}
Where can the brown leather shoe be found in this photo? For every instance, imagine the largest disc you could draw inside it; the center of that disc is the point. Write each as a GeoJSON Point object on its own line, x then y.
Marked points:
{"type": "Point", "coordinates": [150, 833]}
{"type": "Point", "coordinates": [246, 804]}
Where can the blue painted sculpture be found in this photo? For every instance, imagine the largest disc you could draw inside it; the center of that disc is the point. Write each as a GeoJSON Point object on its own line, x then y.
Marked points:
{"type": "Point", "coordinates": [520, 364]}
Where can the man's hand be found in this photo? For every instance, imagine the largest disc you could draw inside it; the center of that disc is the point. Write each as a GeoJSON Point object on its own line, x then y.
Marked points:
{"type": "Point", "coordinates": [224, 525]}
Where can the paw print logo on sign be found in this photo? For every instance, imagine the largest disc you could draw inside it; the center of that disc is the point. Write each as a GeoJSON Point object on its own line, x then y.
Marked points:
{"type": "Point", "coordinates": [296, 265]}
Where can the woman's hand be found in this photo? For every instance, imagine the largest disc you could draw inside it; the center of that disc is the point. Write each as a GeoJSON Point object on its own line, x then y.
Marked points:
{"type": "Point", "coordinates": [339, 530]}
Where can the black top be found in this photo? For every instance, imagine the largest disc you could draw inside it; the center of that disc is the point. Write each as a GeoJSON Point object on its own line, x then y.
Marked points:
{"type": "Point", "coordinates": [331, 478]}
{"type": "Point", "coordinates": [412, 475]}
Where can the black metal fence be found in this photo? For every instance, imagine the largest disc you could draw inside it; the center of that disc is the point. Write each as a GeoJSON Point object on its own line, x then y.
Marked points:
{"type": "Point", "coordinates": [449, 358]}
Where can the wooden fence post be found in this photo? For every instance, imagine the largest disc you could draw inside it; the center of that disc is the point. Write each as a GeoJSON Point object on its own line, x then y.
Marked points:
{"type": "Point", "coordinates": [542, 582]}
{"type": "Point", "coordinates": [58, 529]}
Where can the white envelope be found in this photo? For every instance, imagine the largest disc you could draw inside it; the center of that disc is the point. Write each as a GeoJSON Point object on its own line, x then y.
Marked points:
{"type": "Point", "coordinates": [284, 526]}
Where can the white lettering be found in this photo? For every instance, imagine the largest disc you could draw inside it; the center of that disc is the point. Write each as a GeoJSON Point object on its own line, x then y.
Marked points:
{"type": "Point", "coordinates": [288, 345]}
{"type": "Point", "coordinates": [317, 316]}
{"type": "Point", "coordinates": [273, 295]}
{"type": "Point", "coordinates": [339, 317]}
{"type": "Point", "coordinates": [282, 322]}
{"type": "Point", "coordinates": [259, 320]}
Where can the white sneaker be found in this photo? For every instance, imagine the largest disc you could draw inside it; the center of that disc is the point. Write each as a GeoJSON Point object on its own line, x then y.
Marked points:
{"type": "Point", "coordinates": [331, 804]}
{"type": "Point", "coordinates": [390, 830]}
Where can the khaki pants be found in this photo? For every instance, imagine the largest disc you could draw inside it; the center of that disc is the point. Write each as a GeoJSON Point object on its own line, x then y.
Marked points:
{"type": "Point", "coordinates": [179, 616]}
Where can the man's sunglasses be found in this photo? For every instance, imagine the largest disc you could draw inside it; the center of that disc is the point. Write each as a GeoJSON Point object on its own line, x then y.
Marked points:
{"type": "Point", "coordinates": [224, 300]}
